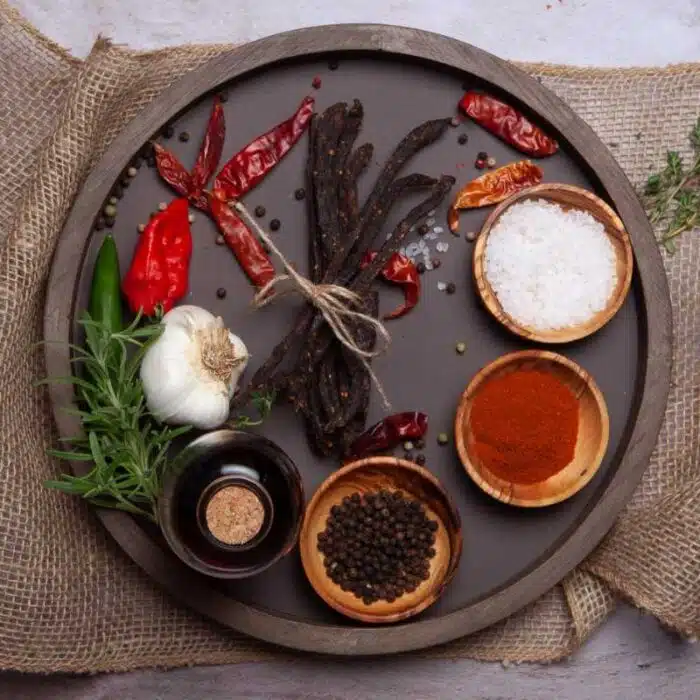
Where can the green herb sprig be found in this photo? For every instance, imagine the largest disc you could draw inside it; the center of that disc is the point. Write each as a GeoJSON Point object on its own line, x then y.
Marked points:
{"type": "Point", "coordinates": [263, 403]}
{"type": "Point", "coordinates": [672, 197]}
{"type": "Point", "coordinates": [127, 446]}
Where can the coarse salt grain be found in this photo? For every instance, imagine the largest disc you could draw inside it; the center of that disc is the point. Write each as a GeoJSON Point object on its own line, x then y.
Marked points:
{"type": "Point", "coordinates": [548, 267]}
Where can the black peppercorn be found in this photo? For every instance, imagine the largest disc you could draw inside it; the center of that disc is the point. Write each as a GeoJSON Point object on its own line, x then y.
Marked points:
{"type": "Point", "coordinates": [275, 224]}
{"type": "Point", "coordinates": [151, 161]}
{"type": "Point", "coordinates": [462, 139]}
{"type": "Point", "coordinates": [100, 223]}
{"type": "Point", "coordinates": [423, 229]}
{"type": "Point", "coordinates": [436, 263]}
{"type": "Point", "coordinates": [259, 211]}
{"type": "Point", "coordinates": [184, 136]}
{"type": "Point", "coordinates": [221, 293]}
{"type": "Point", "coordinates": [299, 194]}
{"type": "Point", "coordinates": [420, 459]}
{"type": "Point", "coordinates": [375, 560]}
{"type": "Point", "coordinates": [168, 131]}
{"type": "Point", "coordinates": [451, 288]}
{"type": "Point", "coordinates": [482, 155]}
{"type": "Point", "coordinates": [420, 267]}
{"type": "Point", "coordinates": [333, 64]}
{"type": "Point", "coordinates": [223, 97]}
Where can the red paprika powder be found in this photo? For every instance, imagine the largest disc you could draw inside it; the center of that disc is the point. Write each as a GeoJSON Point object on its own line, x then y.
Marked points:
{"type": "Point", "coordinates": [524, 426]}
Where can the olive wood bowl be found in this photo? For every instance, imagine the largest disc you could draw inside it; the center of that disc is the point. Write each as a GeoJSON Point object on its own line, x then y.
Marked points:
{"type": "Point", "coordinates": [568, 197]}
{"type": "Point", "coordinates": [593, 432]}
{"type": "Point", "coordinates": [369, 475]}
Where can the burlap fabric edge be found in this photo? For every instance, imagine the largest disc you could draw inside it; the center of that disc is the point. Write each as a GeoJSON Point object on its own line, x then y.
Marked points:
{"type": "Point", "coordinates": [69, 599]}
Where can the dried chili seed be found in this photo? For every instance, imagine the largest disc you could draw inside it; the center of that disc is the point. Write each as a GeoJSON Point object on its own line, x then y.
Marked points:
{"type": "Point", "coordinates": [451, 288]}
{"type": "Point", "coordinates": [436, 262]}
{"type": "Point", "coordinates": [275, 224]}
{"type": "Point", "coordinates": [463, 138]}
{"type": "Point", "coordinates": [260, 211]}
{"type": "Point", "coordinates": [168, 131]}
{"type": "Point", "coordinates": [299, 194]}
{"type": "Point", "coordinates": [479, 164]}
{"type": "Point", "coordinates": [316, 83]}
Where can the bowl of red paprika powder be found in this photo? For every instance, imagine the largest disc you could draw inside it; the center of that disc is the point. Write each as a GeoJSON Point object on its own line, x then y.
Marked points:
{"type": "Point", "coordinates": [532, 428]}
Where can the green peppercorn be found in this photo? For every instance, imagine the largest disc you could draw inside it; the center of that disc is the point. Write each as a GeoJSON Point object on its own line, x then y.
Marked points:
{"type": "Point", "coordinates": [461, 348]}
{"type": "Point", "coordinates": [110, 211]}
{"type": "Point", "coordinates": [442, 438]}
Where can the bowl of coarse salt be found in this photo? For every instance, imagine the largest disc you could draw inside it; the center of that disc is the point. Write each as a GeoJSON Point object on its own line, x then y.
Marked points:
{"type": "Point", "coordinates": [553, 263]}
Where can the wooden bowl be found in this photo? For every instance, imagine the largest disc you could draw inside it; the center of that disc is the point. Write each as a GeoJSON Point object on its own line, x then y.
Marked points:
{"type": "Point", "coordinates": [593, 432]}
{"type": "Point", "coordinates": [568, 197]}
{"type": "Point", "coordinates": [365, 476]}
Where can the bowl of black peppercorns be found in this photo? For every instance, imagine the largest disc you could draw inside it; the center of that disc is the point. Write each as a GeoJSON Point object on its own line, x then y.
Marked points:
{"type": "Point", "coordinates": [380, 540]}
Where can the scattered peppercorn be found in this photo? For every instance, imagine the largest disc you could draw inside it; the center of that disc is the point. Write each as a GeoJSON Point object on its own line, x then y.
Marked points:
{"type": "Point", "coordinates": [423, 229]}
{"type": "Point", "coordinates": [451, 288]}
{"type": "Point", "coordinates": [184, 136]}
{"type": "Point", "coordinates": [118, 191]}
{"type": "Point", "coordinates": [482, 155]}
{"type": "Point", "coordinates": [136, 163]}
{"type": "Point", "coordinates": [190, 218]}
{"type": "Point", "coordinates": [221, 293]}
{"type": "Point", "coordinates": [455, 121]}
{"type": "Point", "coordinates": [471, 236]}
{"type": "Point", "coordinates": [132, 171]}
{"type": "Point", "coordinates": [141, 228]}
{"type": "Point", "coordinates": [461, 348]}
{"type": "Point", "coordinates": [168, 131]}
{"type": "Point", "coordinates": [316, 83]}
{"type": "Point", "coordinates": [378, 545]}
{"type": "Point", "coordinates": [333, 64]}
{"type": "Point", "coordinates": [162, 206]}
{"type": "Point", "coordinates": [151, 161]}
{"type": "Point", "coordinates": [463, 138]}
{"type": "Point", "coordinates": [113, 200]}
{"type": "Point", "coordinates": [479, 164]}
{"type": "Point", "coordinates": [420, 459]}
{"type": "Point", "coordinates": [436, 262]}
{"type": "Point", "coordinates": [110, 211]}
{"type": "Point", "coordinates": [109, 221]}
{"type": "Point", "coordinates": [259, 211]}
{"type": "Point", "coordinates": [408, 445]}
{"type": "Point", "coordinates": [442, 439]}
{"type": "Point", "coordinates": [220, 240]}
{"type": "Point", "coordinates": [125, 182]}
{"type": "Point", "coordinates": [491, 162]}
{"type": "Point", "coordinates": [275, 224]}
{"type": "Point", "coordinates": [420, 443]}
{"type": "Point", "coordinates": [100, 223]}
{"type": "Point", "coordinates": [420, 267]}
{"type": "Point", "coordinates": [299, 194]}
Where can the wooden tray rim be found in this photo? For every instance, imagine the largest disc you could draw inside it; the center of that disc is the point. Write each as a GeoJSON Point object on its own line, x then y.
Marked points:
{"type": "Point", "coordinates": [194, 590]}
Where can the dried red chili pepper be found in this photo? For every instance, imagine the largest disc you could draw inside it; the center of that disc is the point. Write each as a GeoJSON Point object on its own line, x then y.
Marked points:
{"type": "Point", "coordinates": [245, 246]}
{"type": "Point", "coordinates": [188, 184]}
{"type": "Point", "coordinates": [391, 431]}
{"type": "Point", "coordinates": [494, 187]}
{"type": "Point", "coordinates": [250, 165]}
{"type": "Point", "coordinates": [399, 269]}
{"type": "Point", "coordinates": [210, 151]}
{"type": "Point", "coordinates": [159, 270]}
{"type": "Point", "coordinates": [508, 124]}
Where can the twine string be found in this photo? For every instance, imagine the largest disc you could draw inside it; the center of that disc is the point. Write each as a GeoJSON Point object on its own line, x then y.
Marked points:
{"type": "Point", "coordinates": [338, 305]}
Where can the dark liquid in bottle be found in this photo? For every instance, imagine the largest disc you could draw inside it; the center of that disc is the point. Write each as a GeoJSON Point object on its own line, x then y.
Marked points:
{"type": "Point", "coordinates": [239, 464]}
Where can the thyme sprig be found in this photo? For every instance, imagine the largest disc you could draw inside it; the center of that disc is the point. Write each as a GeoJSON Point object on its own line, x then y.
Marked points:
{"type": "Point", "coordinates": [672, 196]}
{"type": "Point", "coordinates": [125, 443]}
{"type": "Point", "coordinates": [263, 403]}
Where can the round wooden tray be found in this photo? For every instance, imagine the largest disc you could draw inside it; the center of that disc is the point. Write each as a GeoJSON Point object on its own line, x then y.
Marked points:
{"type": "Point", "coordinates": [403, 76]}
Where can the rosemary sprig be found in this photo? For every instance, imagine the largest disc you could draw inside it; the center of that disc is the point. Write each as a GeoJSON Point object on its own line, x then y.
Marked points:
{"type": "Point", "coordinates": [262, 403]}
{"type": "Point", "coordinates": [672, 196]}
{"type": "Point", "coordinates": [127, 446]}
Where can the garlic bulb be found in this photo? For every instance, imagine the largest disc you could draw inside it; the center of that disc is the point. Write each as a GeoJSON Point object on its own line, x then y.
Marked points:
{"type": "Point", "coordinates": [190, 373]}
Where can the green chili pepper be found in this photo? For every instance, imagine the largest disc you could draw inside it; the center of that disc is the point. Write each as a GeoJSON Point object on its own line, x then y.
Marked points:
{"type": "Point", "coordinates": [105, 304]}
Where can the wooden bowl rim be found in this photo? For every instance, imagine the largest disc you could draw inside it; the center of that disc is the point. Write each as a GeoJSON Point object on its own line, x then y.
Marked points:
{"type": "Point", "coordinates": [455, 546]}
{"type": "Point", "coordinates": [481, 377]}
{"type": "Point", "coordinates": [571, 333]}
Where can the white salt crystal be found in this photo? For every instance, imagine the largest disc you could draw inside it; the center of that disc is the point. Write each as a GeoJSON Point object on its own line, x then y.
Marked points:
{"type": "Point", "coordinates": [438, 229]}
{"type": "Point", "coordinates": [442, 247]}
{"type": "Point", "coordinates": [548, 267]}
{"type": "Point", "coordinates": [442, 286]}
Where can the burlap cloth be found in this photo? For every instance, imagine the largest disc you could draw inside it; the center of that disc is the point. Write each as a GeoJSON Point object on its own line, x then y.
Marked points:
{"type": "Point", "coordinates": [69, 599]}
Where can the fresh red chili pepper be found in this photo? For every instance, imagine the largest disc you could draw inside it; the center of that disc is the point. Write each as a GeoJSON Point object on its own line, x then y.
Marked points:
{"type": "Point", "coordinates": [399, 269]}
{"type": "Point", "coordinates": [245, 246]}
{"type": "Point", "coordinates": [494, 187]}
{"type": "Point", "coordinates": [508, 124]}
{"type": "Point", "coordinates": [391, 431]}
{"type": "Point", "coordinates": [187, 184]}
{"type": "Point", "coordinates": [250, 165]}
{"type": "Point", "coordinates": [210, 151]}
{"type": "Point", "coordinates": [158, 275]}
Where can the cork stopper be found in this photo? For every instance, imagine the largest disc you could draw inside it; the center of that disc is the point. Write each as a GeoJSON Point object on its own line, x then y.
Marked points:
{"type": "Point", "coordinates": [234, 515]}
